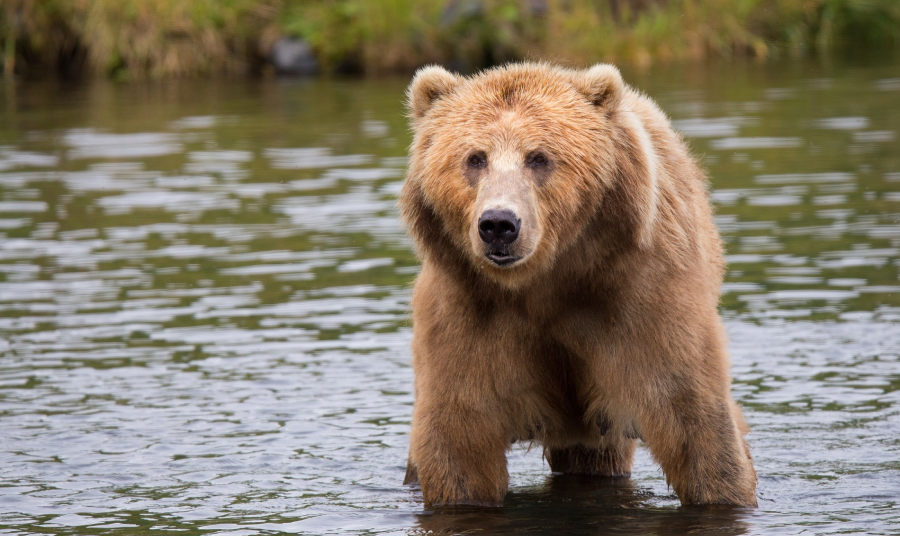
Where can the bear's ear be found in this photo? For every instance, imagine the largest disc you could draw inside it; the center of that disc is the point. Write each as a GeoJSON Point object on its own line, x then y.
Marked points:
{"type": "Point", "coordinates": [602, 85]}
{"type": "Point", "coordinates": [430, 84]}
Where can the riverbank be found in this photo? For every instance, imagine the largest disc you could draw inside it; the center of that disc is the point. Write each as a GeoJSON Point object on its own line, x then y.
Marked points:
{"type": "Point", "coordinates": [181, 38]}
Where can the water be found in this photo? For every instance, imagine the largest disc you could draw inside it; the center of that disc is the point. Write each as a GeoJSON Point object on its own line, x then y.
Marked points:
{"type": "Point", "coordinates": [204, 304]}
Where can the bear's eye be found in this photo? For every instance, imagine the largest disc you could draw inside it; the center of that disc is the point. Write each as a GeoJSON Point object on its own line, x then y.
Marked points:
{"type": "Point", "coordinates": [477, 160]}
{"type": "Point", "coordinates": [536, 160]}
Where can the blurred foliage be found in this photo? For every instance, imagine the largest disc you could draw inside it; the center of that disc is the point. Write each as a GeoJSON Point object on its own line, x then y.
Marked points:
{"type": "Point", "coordinates": [139, 38]}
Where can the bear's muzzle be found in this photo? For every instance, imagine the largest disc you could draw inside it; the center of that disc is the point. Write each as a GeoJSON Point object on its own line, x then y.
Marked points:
{"type": "Point", "coordinates": [498, 229]}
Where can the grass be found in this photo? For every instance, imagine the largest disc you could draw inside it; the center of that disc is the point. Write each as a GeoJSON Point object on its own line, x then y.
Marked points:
{"type": "Point", "coordinates": [157, 38]}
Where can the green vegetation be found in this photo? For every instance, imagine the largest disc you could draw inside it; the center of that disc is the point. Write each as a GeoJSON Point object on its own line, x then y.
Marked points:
{"type": "Point", "coordinates": [141, 38]}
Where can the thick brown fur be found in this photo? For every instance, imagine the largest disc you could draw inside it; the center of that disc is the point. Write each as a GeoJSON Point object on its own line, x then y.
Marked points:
{"type": "Point", "coordinates": [605, 330]}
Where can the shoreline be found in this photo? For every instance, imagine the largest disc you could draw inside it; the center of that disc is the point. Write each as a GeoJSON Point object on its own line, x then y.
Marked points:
{"type": "Point", "coordinates": [148, 39]}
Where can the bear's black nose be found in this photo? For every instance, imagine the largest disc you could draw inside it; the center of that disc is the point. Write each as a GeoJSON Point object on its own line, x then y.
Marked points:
{"type": "Point", "coordinates": [499, 227]}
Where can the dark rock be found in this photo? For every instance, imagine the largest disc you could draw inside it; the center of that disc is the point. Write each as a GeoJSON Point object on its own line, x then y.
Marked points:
{"type": "Point", "coordinates": [538, 7]}
{"type": "Point", "coordinates": [461, 10]}
{"type": "Point", "coordinates": [293, 56]}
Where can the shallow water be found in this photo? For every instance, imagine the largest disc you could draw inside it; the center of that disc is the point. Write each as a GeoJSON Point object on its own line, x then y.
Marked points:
{"type": "Point", "coordinates": [204, 303]}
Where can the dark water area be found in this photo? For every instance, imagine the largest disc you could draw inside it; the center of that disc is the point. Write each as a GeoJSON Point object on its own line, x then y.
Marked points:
{"type": "Point", "coordinates": [204, 297]}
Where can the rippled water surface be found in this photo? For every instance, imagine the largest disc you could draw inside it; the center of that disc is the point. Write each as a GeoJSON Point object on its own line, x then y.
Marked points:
{"type": "Point", "coordinates": [204, 297]}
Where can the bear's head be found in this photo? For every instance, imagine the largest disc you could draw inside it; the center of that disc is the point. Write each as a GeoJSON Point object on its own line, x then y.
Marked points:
{"type": "Point", "coordinates": [508, 168]}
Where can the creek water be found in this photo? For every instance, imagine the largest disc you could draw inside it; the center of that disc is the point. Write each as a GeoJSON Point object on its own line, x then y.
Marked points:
{"type": "Point", "coordinates": [204, 297]}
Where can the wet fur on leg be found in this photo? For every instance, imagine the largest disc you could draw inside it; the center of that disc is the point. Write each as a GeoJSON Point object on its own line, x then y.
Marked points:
{"type": "Point", "coordinates": [597, 461]}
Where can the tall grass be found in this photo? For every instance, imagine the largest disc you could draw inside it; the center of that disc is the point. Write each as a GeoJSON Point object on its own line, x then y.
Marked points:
{"type": "Point", "coordinates": [137, 37]}
{"type": "Point", "coordinates": [366, 35]}
{"type": "Point", "coordinates": [171, 37]}
{"type": "Point", "coordinates": [150, 38]}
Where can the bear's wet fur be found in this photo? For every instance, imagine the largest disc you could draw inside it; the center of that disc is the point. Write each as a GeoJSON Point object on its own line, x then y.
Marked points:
{"type": "Point", "coordinates": [571, 272]}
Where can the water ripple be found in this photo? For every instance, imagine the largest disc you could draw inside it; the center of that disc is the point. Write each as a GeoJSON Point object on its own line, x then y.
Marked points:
{"type": "Point", "coordinates": [204, 313]}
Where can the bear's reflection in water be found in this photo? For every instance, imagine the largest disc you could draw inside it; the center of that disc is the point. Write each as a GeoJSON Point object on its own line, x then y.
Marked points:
{"type": "Point", "coordinates": [584, 505]}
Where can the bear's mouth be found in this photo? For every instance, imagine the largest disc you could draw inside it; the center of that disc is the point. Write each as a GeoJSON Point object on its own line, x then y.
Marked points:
{"type": "Point", "coordinates": [501, 258]}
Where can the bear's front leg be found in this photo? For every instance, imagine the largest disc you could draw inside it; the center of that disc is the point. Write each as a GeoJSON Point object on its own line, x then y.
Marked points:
{"type": "Point", "coordinates": [697, 437]}
{"type": "Point", "coordinates": [459, 455]}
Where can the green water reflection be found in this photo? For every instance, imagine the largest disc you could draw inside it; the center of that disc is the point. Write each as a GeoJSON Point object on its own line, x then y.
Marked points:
{"type": "Point", "coordinates": [204, 293]}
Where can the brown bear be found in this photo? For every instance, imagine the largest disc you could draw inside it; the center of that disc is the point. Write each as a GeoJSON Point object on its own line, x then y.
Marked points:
{"type": "Point", "coordinates": [570, 279]}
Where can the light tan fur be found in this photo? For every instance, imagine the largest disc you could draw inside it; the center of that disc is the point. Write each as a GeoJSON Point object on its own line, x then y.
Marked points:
{"type": "Point", "coordinates": [605, 329]}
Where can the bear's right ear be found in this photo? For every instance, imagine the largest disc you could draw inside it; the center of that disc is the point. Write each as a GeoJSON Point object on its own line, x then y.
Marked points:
{"type": "Point", "coordinates": [430, 84]}
{"type": "Point", "coordinates": [602, 85]}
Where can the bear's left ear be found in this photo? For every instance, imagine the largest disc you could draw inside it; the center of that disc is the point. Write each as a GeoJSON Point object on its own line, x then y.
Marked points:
{"type": "Point", "coordinates": [430, 84]}
{"type": "Point", "coordinates": [602, 85]}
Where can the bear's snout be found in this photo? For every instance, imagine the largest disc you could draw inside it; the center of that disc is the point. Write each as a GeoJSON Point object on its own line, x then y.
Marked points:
{"type": "Point", "coordinates": [498, 229]}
